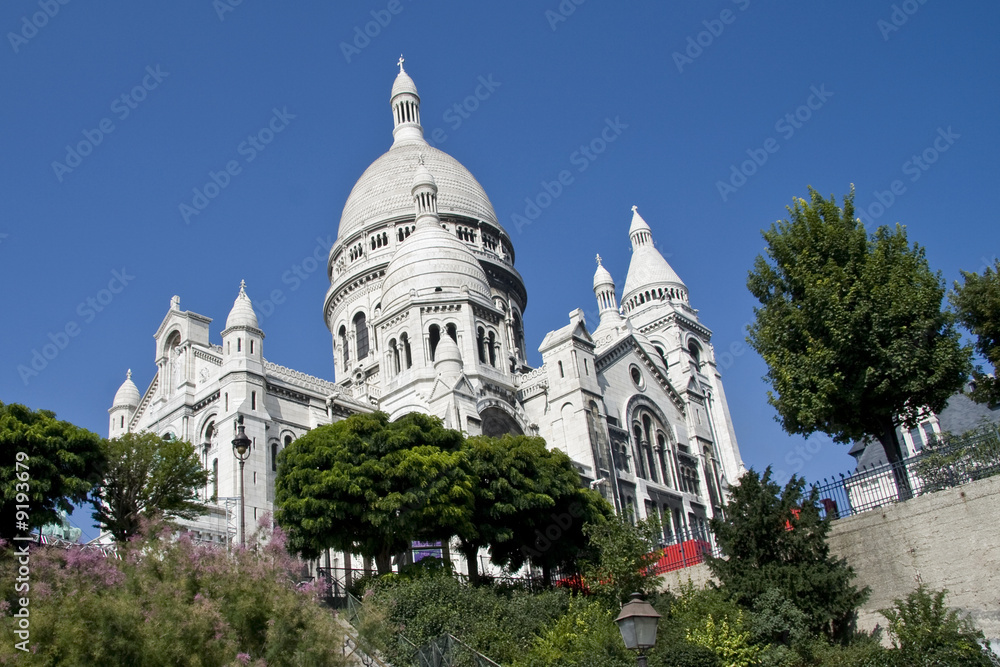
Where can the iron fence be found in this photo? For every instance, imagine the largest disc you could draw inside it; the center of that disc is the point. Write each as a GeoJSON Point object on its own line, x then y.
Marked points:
{"type": "Point", "coordinates": [446, 650]}
{"type": "Point", "coordinates": [941, 465]}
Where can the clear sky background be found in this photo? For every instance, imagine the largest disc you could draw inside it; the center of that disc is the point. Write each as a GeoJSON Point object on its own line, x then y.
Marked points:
{"type": "Point", "coordinates": [692, 86]}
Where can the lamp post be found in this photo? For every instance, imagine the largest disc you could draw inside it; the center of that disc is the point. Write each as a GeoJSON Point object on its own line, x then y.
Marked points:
{"type": "Point", "coordinates": [241, 448]}
{"type": "Point", "coordinates": [637, 623]}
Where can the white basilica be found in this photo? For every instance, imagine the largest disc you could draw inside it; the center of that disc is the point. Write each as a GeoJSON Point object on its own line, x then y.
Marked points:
{"type": "Point", "coordinates": [425, 309]}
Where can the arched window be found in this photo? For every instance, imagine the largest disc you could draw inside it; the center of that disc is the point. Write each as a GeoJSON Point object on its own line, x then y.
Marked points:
{"type": "Point", "coordinates": [215, 478]}
{"type": "Point", "coordinates": [452, 331]}
{"type": "Point", "coordinates": [434, 334]}
{"type": "Point", "coordinates": [493, 349]}
{"type": "Point", "coordinates": [209, 432]}
{"type": "Point", "coordinates": [647, 427]}
{"type": "Point", "coordinates": [274, 457]}
{"type": "Point", "coordinates": [695, 351]}
{"type": "Point", "coordinates": [361, 335]}
{"type": "Point", "coordinates": [345, 350]}
{"type": "Point", "coordinates": [288, 440]}
{"type": "Point", "coordinates": [561, 373]}
{"type": "Point", "coordinates": [640, 458]}
{"type": "Point", "coordinates": [481, 344]}
{"type": "Point", "coordinates": [404, 341]}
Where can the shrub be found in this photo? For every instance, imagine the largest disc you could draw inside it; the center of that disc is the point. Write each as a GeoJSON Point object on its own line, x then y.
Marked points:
{"type": "Point", "coordinates": [168, 601]}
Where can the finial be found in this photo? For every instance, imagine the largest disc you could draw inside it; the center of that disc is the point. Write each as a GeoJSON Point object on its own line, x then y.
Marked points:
{"type": "Point", "coordinates": [598, 260]}
{"type": "Point", "coordinates": [400, 63]}
{"type": "Point", "coordinates": [243, 288]}
{"type": "Point", "coordinates": [128, 376]}
{"type": "Point", "coordinates": [635, 209]}
{"type": "Point", "coordinates": [175, 302]}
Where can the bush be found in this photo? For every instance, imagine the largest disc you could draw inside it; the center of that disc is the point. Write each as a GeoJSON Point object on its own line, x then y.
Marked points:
{"type": "Point", "coordinates": [168, 601]}
{"type": "Point", "coordinates": [926, 632]}
{"type": "Point", "coordinates": [499, 623]}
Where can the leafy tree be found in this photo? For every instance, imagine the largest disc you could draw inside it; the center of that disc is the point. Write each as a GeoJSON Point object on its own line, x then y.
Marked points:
{"type": "Point", "coordinates": [926, 632]}
{"type": "Point", "coordinates": [773, 538]}
{"type": "Point", "coordinates": [529, 504]}
{"type": "Point", "coordinates": [851, 326]}
{"type": "Point", "coordinates": [63, 463]}
{"type": "Point", "coordinates": [147, 476]}
{"type": "Point", "coordinates": [977, 304]}
{"type": "Point", "coordinates": [624, 554]}
{"type": "Point", "coordinates": [371, 487]}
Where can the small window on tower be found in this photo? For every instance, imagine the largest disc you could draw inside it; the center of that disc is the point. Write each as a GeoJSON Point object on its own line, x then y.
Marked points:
{"type": "Point", "coordinates": [239, 344]}
{"type": "Point", "coordinates": [251, 346]}
{"type": "Point", "coordinates": [253, 400]}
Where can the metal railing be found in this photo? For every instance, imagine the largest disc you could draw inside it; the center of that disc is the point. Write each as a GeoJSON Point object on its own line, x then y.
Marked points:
{"type": "Point", "coordinates": [446, 650]}
{"type": "Point", "coordinates": [685, 548]}
{"type": "Point", "coordinates": [942, 465]}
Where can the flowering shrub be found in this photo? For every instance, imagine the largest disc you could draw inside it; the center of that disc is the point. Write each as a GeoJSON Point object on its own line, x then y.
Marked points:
{"type": "Point", "coordinates": [169, 601]}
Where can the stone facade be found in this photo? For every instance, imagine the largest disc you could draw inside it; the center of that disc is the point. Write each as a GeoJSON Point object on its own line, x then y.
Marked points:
{"type": "Point", "coordinates": [425, 310]}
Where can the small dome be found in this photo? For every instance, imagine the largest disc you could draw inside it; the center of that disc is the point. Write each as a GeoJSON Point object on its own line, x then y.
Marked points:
{"type": "Point", "coordinates": [242, 314]}
{"type": "Point", "coordinates": [128, 393]}
{"type": "Point", "coordinates": [423, 177]}
{"type": "Point", "coordinates": [602, 276]}
{"type": "Point", "coordinates": [403, 83]}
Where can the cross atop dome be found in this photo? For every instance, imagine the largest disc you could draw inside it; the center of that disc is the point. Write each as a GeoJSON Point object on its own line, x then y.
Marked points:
{"type": "Point", "coordinates": [400, 63]}
{"type": "Point", "coordinates": [598, 260]}
{"type": "Point", "coordinates": [635, 209]}
{"type": "Point", "coordinates": [243, 288]}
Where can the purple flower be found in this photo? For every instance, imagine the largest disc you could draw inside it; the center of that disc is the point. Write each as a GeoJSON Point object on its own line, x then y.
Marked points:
{"type": "Point", "coordinates": [244, 658]}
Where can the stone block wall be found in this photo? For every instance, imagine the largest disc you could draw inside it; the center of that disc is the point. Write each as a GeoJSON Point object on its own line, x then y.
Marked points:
{"type": "Point", "coordinates": [949, 539]}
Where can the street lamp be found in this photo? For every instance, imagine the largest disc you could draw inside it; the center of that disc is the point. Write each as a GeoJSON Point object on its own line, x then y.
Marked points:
{"type": "Point", "coordinates": [241, 448]}
{"type": "Point", "coordinates": [637, 623]}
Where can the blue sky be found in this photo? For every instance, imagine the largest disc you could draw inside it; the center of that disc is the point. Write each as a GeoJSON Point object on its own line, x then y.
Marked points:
{"type": "Point", "coordinates": [899, 98]}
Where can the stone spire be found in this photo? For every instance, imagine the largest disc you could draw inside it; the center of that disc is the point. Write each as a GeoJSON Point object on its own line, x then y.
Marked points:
{"type": "Point", "coordinates": [405, 109]}
{"type": "Point", "coordinates": [650, 278]}
{"type": "Point", "coordinates": [604, 290]}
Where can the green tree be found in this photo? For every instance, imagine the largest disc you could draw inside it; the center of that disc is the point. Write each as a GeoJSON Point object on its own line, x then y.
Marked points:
{"type": "Point", "coordinates": [624, 554]}
{"type": "Point", "coordinates": [529, 504]}
{"type": "Point", "coordinates": [851, 326]}
{"type": "Point", "coordinates": [61, 462]}
{"type": "Point", "coordinates": [977, 305]}
{"type": "Point", "coordinates": [368, 486]}
{"type": "Point", "coordinates": [773, 538]}
{"type": "Point", "coordinates": [146, 477]}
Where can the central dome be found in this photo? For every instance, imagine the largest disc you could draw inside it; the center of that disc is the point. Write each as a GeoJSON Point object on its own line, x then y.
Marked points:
{"type": "Point", "coordinates": [383, 191]}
